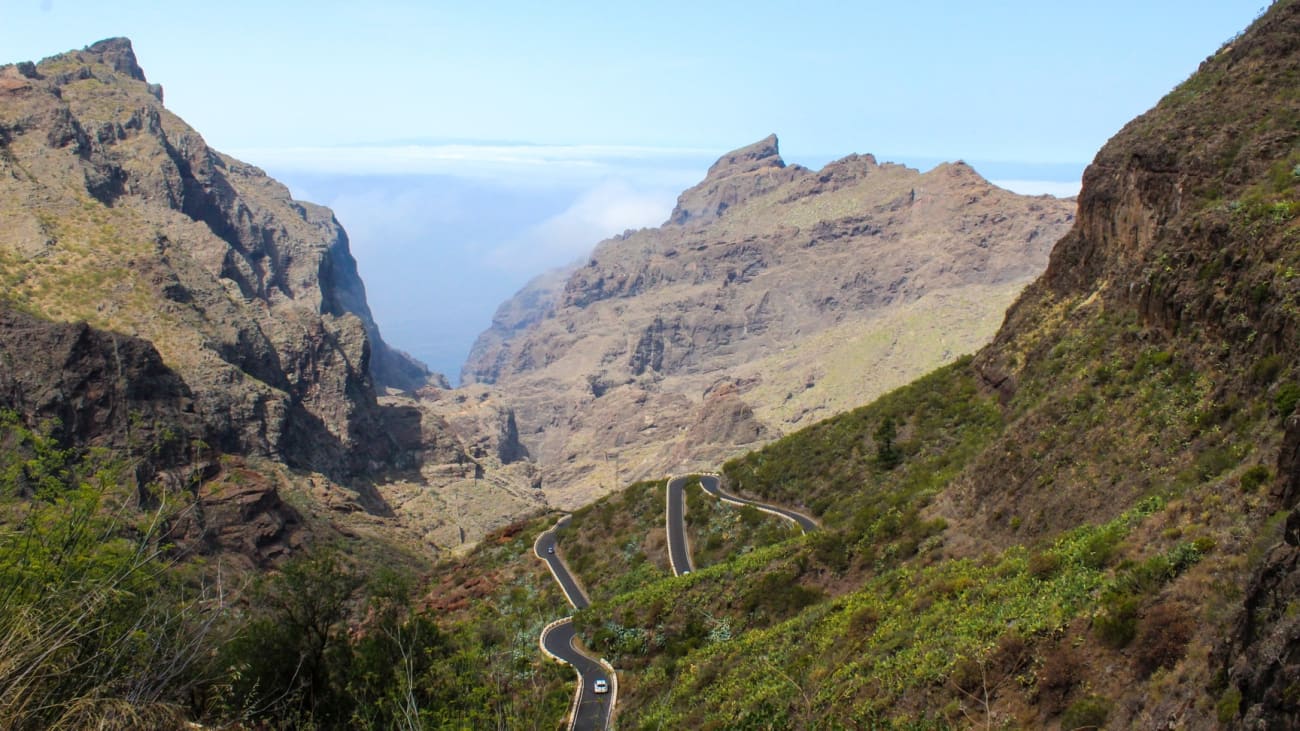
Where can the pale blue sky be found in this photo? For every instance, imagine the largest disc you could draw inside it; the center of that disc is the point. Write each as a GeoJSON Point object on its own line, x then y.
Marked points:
{"type": "Point", "coordinates": [1018, 80]}
{"type": "Point", "coordinates": [467, 146]}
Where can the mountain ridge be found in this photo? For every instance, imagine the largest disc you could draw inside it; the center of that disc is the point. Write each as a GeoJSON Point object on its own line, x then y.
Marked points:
{"type": "Point", "coordinates": [253, 297]}
{"type": "Point", "coordinates": [680, 344]}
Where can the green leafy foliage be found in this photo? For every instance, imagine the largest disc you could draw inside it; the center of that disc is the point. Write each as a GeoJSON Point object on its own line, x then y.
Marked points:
{"type": "Point", "coordinates": [96, 624]}
{"type": "Point", "coordinates": [1086, 713]}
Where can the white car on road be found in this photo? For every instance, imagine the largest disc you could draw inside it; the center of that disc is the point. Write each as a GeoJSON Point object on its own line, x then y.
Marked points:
{"type": "Point", "coordinates": [600, 686]}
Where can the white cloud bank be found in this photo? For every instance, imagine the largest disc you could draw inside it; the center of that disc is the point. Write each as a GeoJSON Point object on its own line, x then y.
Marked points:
{"type": "Point", "coordinates": [610, 208]}
{"type": "Point", "coordinates": [520, 164]}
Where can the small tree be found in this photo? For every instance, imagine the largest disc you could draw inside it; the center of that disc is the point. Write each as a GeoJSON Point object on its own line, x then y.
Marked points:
{"type": "Point", "coordinates": [887, 454]}
{"type": "Point", "coordinates": [292, 658]}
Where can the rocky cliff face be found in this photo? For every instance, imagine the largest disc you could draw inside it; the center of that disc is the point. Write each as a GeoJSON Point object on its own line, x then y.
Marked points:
{"type": "Point", "coordinates": [91, 388]}
{"type": "Point", "coordinates": [116, 212]}
{"type": "Point", "coordinates": [802, 292]}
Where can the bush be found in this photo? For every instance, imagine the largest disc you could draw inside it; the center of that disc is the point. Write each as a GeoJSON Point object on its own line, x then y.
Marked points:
{"type": "Point", "coordinates": [1100, 548]}
{"type": "Point", "coordinates": [1060, 673]}
{"type": "Point", "coordinates": [1162, 638]}
{"type": "Point", "coordinates": [1254, 477]}
{"type": "Point", "coordinates": [1229, 706]}
{"type": "Point", "coordinates": [1044, 565]}
{"type": "Point", "coordinates": [1086, 713]}
{"type": "Point", "coordinates": [1288, 395]}
{"type": "Point", "coordinates": [1267, 369]}
{"type": "Point", "coordinates": [293, 653]}
{"type": "Point", "coordinates": [1116, 625]}
{"type": "Point", "coordinates": [1214, 462]}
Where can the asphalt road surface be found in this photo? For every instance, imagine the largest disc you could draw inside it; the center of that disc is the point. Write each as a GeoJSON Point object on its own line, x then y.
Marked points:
{"type": "Point", "coordinates": [547, 549]}
{"type": "Point", "coordinates": [713, 486]}
{"type": "Point", "coordinates": [594, 710]}
{"type": "Point", "coordinates": [679, 552]}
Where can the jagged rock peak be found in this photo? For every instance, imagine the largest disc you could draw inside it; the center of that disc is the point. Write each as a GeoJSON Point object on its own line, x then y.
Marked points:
{"type": "Point", "coordinates": [735, 178]}
{"type": "Point", "coordinates": [118, 53]}
{"type": "Point", "coordinates": [765, 153]}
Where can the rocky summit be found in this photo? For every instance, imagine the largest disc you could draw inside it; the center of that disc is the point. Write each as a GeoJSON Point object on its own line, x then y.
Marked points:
{"type": "Point", "coordinates": [772, 297]}
{"type": "Point", "coordinates": [116, 213]}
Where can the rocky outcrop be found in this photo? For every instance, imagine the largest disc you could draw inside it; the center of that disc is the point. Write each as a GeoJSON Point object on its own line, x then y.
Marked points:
{"type": "Point", "coordinates": [93, 388]}
{"type": "Point", "coordinates": [1259, 659]}
{"type": "Point", "coordinates": [90, 388]}
{"type": "Point", "coordinates": [240, 511]}
{"type": "Point", "coordinates": [116, 212]}
{"type": "Point", "coordinates": [764, 273]}
{"type": "Point", "coordinates": [735, 178]}
{"type": "Point", "coordinates": [533, 303]}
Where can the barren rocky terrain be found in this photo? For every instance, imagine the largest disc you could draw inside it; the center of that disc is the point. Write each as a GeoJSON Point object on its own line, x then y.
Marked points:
{"type": "Point", "coordinates": [774, 296]}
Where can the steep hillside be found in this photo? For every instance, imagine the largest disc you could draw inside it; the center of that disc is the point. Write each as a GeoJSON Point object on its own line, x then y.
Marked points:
{"type": "Point", "coordinates": [115, 212]}
{"type": "Point", "coordinates": [774, 296]}
{"type": "Point", "coordinates": [1091, 523]}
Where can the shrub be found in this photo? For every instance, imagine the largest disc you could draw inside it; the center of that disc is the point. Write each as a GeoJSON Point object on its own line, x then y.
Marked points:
{"type": "Point", "coordinates": [1100, 548]}
{"type": "Point", "coordinates": [1267, 369]}
{"type": "Point", "coordinates": [1288, 395]}
{"type": "Point", "coordinates": [1162, 638]}
{"type": "Point", "coordinates": [864, 621]}
{"type": "Point", "coordinates": [292, 653]}
{"type": "Point", "coordinates": [1044, 565]}
{"type": "Point", "coordinates": [1214, 462]}
{"type": "Point", "coordinates": [1229, 706]}
{"type": "Point", "coordinates": [887, 454]}
{"type": "Point", "coordinates": [1116, 624]}
{"type": "Point", "coordinates": [1086, 713]}
{"type": "Point", "coordinates": [1254, 477]}
{"type": "Point", "coordinates": [1059, 674]}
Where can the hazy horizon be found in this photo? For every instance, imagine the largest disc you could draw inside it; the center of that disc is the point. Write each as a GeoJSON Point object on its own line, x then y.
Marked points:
{"type": "Point", "coordinates": [425, 240]}
{"type": "Point", "coordinates": [394, 114]}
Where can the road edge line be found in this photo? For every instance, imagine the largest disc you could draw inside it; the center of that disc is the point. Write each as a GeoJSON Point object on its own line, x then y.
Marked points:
{"type": "Point", "coordinates": [613, 692]}
{"type": "Point", "coordinates": [668, 524]}
{"type": "Point", "coordinates": [578, 688]}
{"type": "Point", "coordinates": [551, 569]}
{"type": "Point", "coordinates": [757, 506]}
{"type": "Point", "coordinates": [541, 642]}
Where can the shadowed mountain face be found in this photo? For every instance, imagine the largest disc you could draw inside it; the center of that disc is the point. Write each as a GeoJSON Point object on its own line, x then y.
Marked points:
{"type": "Point", "coordinates": [774, 296]}
{"type": "Point", "coordinates": [115, 212]}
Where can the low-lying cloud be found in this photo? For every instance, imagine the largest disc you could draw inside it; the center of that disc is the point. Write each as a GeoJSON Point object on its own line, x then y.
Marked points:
{"type": "Point", "coordinates": [610, 208]}
{"type": "Point", "coordinates": [515, 164]}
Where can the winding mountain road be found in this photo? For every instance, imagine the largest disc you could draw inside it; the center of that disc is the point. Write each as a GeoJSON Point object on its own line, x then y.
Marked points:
{"type": "Point", "coordinates": [679, 547]}
{"type": "Point", "coordinates": [713, 486]}
{"type": "Point", "coordinates": [591, 711]}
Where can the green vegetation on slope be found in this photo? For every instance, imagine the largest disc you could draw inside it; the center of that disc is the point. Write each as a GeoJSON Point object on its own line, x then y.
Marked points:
{"type": "Point", "coordinates": [966, 543]}
{"type": "Point", "coordinates": [719, 531]}
{"type": "Point", "coordinates": [869, 493]}
{"type": "Point", "coordinates": [617, 544]}
{"type": "Point", "coordinates": [95, 626]}
{"type": "Point", "coordinates": [103, 622]}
